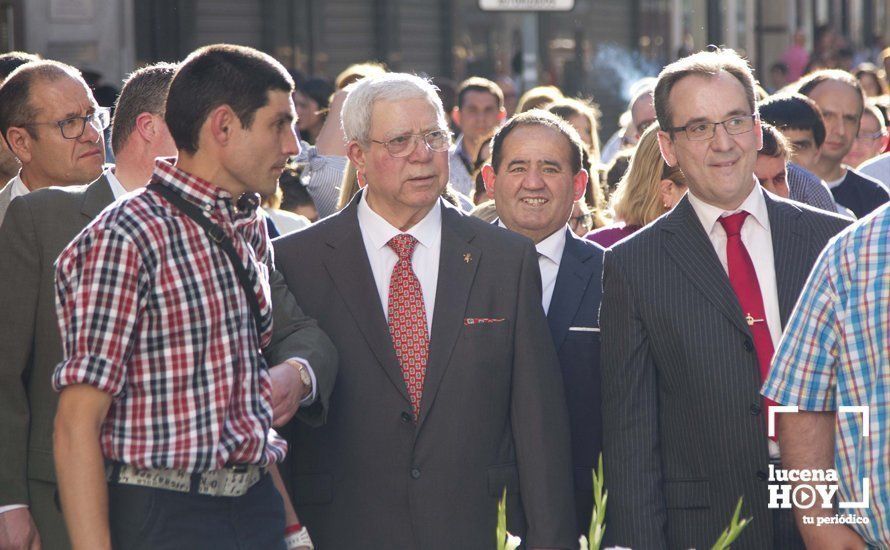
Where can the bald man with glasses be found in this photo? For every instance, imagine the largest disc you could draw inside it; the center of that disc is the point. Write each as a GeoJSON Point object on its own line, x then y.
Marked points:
{"type": "Point", "coordinates": [53, 125]}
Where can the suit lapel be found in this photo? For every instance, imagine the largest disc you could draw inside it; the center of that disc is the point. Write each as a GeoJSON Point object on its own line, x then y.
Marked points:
{"type": "Point", "coordinates": [97, 196]}
{"type": "Point", "coordinates": [452, 292]}
{"type": "Point", "coordinates": [790, 250]}
{"type": "Point", "coordinates": [572, 280]}
{"type": "Point", "coordinates": [689, 246]}
{"type": "Point", "coordinates": [349, 268]}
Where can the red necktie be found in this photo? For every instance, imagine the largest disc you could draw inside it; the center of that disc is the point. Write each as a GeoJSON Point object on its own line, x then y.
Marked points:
{"type": "Point", "coordinates": [744, 282]}
{"type": "Point", "coordinates": [407, 319]}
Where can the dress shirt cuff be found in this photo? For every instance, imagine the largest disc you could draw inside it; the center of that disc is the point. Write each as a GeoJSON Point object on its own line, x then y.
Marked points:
{"type": "Point", "coordinates": [11, 507]}
{"type": "Point", "coordinates": [309, 399]}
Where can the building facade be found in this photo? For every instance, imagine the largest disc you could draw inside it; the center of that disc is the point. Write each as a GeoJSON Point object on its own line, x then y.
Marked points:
{"type": "Point", "coordinates": [597, 49]}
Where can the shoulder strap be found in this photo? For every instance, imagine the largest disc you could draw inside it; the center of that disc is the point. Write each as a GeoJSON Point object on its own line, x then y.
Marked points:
{"type": "Point", "coordinates": [218, 236]}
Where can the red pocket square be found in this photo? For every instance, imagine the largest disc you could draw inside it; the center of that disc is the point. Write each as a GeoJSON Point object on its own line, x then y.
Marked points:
{"type": "Point", "coordinates": [470, 321]}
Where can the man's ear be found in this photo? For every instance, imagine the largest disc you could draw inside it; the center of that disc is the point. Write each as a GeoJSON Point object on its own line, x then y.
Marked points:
{"type": "Point", "coordinates": [666, 146]}
{"type": "Point", "coordinates": [579, 184]}
{"type": "Point", "coordinates": [145, 125]}
{"type": "Point", "coordinates": [356, 154]}
{"type": "Point", "coordinates": [488, 176]}
{"type": "Point", "coordinates": [19, 141]}
{"type": "Point", "coordinates": [455, 116]}
{"type": "Point", "coordinates": [502, 115]}
{"type": "Point", "coordinates": [221, 123]}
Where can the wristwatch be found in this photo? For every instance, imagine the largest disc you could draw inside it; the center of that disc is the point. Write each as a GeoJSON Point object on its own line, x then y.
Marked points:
{"type": "Point", "coordinates": [304, 374]}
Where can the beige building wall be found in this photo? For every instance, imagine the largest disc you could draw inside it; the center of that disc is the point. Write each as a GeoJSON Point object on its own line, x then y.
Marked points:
{"type": "Point", "coordinates": [89, 34]}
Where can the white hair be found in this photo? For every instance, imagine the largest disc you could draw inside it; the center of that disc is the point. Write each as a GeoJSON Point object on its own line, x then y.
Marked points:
{"type": "Point", "coordinates": [640, 88]}
{"type": "Point", "coordinates": [356, 114]}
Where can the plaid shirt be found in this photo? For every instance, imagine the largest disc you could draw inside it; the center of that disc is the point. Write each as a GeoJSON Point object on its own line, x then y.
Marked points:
{"type": "Point", "coordinates": [836, 351]}
{"type": "Point", "coordinates": [151, 312]}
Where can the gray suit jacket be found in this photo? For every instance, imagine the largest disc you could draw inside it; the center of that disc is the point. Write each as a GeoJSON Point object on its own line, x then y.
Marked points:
{"type": "Point", "coordinates": [684, 433]}
{"type": "Point", "coordinates": [5, 199]}
{"type": "Point", "coordinates": [493, 412]}
{"type": "Point", "coordinates": [37, 228]}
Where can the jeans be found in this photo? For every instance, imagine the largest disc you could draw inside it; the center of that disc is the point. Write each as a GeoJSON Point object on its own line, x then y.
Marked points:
{"type": "Point", "coordinates": [158, 519]}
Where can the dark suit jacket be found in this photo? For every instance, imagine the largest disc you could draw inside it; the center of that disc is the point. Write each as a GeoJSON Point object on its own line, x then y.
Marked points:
{"type": "Point", "coordinates": [36, 229]}
{"type": "Point", "coordinates": [684, 433]}
{"type": "Point", "coordinates": [572, 317]}
{"type": "Point", "coordinates": [492, 415]}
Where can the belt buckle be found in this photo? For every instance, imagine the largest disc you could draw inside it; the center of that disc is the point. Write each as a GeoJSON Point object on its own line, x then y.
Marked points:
{"type": "Point", "coordinates": [230, 481]}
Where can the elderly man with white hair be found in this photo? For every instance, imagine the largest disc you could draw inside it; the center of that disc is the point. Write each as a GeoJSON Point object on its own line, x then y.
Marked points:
{"type": "Point", "coordinates": [449, 390]}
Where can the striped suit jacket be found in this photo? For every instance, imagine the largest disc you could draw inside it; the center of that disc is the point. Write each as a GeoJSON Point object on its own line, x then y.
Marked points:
{"type": "Point", "coordinates": [683, 432]}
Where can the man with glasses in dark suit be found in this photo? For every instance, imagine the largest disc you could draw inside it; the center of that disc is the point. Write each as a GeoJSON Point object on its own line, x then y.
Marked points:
{"type": "Point", "coordinates": [52, 123]}
{"type": "Point", "coordinates": [693, 306]}
{"type": "Point", "coordinates": [449, 390]}
{"type": "Point", "coordinates": [44, 110]}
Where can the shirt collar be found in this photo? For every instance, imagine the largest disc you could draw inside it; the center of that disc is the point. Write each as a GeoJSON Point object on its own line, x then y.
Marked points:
{"type": "Point", "coordinates": [117, 188]}
{"type": "Point", "coordinates": [204, 194]}
{"type": "Point", "coordinates": [834, 183]}
{"type": "Point", "coordinates": [19, 188]}
{"type": "Point", "coordinates": [552, 247]}
{"type": "Point", "coordinates": [708, 214]}
{"type": "Point", "coordinates": [379, 232]}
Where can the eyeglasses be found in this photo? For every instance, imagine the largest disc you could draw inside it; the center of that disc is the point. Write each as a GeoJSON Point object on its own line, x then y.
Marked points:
{"type": "Point", "coordinates": [74, 127]}
{"type": "Point", "coordinates": [702, 131]}
{"type": "Point", "coordinates": [870, 136]}
{"type": "Point", "coordinates": [584, 219]}
{"type": "Point", "coordinates": [643, 126]}
{"type": "Point", "coordinates": [404, 145]}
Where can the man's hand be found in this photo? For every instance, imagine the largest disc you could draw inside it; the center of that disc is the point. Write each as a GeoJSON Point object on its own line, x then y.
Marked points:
{"type": "Point", "coordinates": [831, 537]}
{"type": "Point", "coordinates": [17, 531]}
{"type": "Point", "coordinates": [287, 392]}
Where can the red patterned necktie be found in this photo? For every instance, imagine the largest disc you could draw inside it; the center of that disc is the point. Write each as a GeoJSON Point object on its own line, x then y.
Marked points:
{"type": "Point", "coordinates": [743, 279]}
{"type": "Point", "coordinates": [407, 319]}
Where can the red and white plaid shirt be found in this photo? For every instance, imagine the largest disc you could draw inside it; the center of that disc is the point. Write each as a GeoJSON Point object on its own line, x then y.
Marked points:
{"type": "Point", "coordinates": [151, 312]}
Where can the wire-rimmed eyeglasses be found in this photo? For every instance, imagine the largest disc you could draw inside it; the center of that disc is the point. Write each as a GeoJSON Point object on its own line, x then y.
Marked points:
{"type": "Point", "coordinates": [404, 145]}
{"type": "Point", "coordinates": [701, 131]}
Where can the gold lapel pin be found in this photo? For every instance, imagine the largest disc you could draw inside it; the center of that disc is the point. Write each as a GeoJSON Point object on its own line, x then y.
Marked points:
{"type": "Point", "coordinates": [468, 258]}
{"type": "Point", "coordinates": [751, 320]}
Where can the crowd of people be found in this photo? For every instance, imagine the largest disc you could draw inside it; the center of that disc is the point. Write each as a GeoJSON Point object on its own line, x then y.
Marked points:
{"type": "Point", "coordinates": [296, 314]}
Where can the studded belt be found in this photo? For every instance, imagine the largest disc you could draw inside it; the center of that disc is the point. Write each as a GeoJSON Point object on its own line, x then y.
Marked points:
{"type": "Point", "coordinates": [230, 481]}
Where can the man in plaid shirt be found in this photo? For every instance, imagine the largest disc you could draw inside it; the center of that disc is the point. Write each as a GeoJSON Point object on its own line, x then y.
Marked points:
{"type": "Point", "coordinates": [164, 390]}
{"type": "Point", "coordinates": [836, 353]}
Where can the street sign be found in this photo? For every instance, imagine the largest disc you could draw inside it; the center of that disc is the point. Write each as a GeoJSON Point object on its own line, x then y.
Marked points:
{"type": "Point", "coordinates": [526, 5]}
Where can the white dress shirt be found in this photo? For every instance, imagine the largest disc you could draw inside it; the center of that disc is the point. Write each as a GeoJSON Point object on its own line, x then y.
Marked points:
{"type": "Point", "coordinates": [18, 187]}
{"type": "Point", "coordinates": [549, 255]}
{"type": "Point", "coordinates": [117, 188]}
{"type": "Point", "coordinates": [377, 232]}
{"type": "Point", "coordinates": [758, 241]}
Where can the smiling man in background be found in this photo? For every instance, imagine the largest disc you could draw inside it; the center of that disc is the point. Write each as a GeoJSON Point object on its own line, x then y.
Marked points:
{"type": "Point", "coordinates": [535, 177]}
